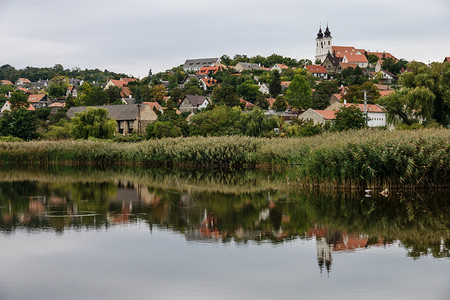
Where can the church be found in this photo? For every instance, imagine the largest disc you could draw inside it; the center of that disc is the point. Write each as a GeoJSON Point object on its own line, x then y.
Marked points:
{"type": "Point", "coordinates": [346, 55]}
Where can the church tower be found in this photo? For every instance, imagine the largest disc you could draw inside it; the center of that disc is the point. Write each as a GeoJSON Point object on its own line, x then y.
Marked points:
{"type": "Point", "coordinates": [324, 45]}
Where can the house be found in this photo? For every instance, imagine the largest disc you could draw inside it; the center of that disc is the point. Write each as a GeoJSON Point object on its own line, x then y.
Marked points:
{"type": "Point", "coordinates": [129, 118]}
{"type": "Point", "coordinates": [360, 60]}
{"type": "Point", "coordinates": [193, 103]}
{"type": "Point", "coordinates": [6, 82]}
{"type": "Point", "coordinates": [39, 100]}
{"type": "Point", "coordinates": [76, 82]}
{"type": "Point", "coordinates": [246, 104]}
{"type": "Point", "coordinates": [7, 107]}
{"type": "Point", "coordinates": [279, 67]}
{"type": "Point", "coordinates": [128, 80]}
{"type": "Point", "coordinates": [385, 76]}
{"type": "Point", "coordinates": [208, 71]}
{"type": "Point", "coordinates": [332, 64]}
{"type": "Point", "coordinates": [207, 84]}
{"type": "Point", "coordinates": [344, 66]}
{"type": "Point", "coordinates": [72, 91]}
{"type": "Point", "coordinates": [264, 88]}
{"type": "Point", "coordinates": [271, 101]}
{"type": "Point", "coordinates": [242, 66]}
{"type": "Point", "coordinates": [318, 116]}
{"type": "Point", "coordinates": [285, 84]}
{"type": "Point", "coordinates": [196, 77]}
{"type": "Point", "coordinates": [121, 84]}
{"type": "Point", "coordinates": [40, 84]}
{"type": "Point", "coordinates": [335, 98]}
{"type": "Point", "coordinates": [375, 113]}
{"type": "Point", "coordinates": [382, 55]}
{"type": "Point", "coordinates": [317, 71]}
{"type": "Point", "coordinates": [196, 64]}
{"type": "Point", "coordinates": [23, 81]}
{"type": "Point", "coordinates": [114, 82]}
{"type": "Point", "coordinates": [447, 59]}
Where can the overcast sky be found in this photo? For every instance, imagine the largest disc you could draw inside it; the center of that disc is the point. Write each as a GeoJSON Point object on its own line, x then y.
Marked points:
{"type": "Point", "coordinates": [133, 36]}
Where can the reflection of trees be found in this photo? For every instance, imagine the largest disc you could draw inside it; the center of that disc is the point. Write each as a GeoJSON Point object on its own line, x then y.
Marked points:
{"type": "Point", "coordinates": [258, 213]}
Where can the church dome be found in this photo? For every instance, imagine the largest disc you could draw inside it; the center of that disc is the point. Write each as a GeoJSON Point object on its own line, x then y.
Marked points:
{"type": "Point", "coordinates": [327, 32]}
{"type": "Point", "coordinates": [320, 34]}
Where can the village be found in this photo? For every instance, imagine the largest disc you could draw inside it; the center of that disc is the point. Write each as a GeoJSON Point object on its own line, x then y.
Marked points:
{"type": "Point", "coordinates": [299, 97]}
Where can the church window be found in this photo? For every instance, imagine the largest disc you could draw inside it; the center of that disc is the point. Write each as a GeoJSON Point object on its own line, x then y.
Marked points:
{"type": "Point", "coordinates": [329, 43]}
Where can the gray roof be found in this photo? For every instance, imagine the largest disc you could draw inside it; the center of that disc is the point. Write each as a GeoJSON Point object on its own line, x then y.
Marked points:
{"type": "Point", "coordinates": [250, 66]}
{"type": "Point", "coordinates": [196, 100]}
{"type": "Point", "coordinates": [201, 62]}
{"type": "Point", "coordinates": [116, 112]}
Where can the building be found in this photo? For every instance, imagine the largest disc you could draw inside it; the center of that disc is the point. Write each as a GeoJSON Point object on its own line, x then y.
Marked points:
{"type": "Point", "coordinates": [207, 83]}
{"type": "Point", "coordinates": [317, 71]}
{"type": "Point", "coordinates": [129, 118]}
{"type": "Point", "coordinates": [193, 103]}
{"type": "Point", "coordinates": [39, 100]}
{"type": "Point", "coordinates": [376, 114]}
{"type": "Point", "coordinates": [279, 67]}
{"type": "Point", "coordinates": [242, 66]}
{"type": "Point", "coordinates": [324, 45]}
{"type": "Point", "coordinates": [197, 64]}
{"type": "Point", "coordinates": [318, 116]}
{"type": "Point", "coordinates": [23, 81]}
{"type": "Point", "coordinates": [332, 64]}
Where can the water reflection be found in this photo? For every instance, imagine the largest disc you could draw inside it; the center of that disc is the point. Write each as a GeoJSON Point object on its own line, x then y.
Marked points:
{"type": "Point", "coordinates": [223, 207]}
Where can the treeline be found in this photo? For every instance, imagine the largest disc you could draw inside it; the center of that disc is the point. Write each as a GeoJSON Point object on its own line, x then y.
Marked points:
{"type": "Point", "coordinates": [8, 72]}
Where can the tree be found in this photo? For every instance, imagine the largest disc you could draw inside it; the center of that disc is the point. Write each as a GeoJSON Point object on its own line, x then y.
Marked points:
{"type": "Point", "coordinates": [18, 99]}
{"type": "Point", "coordinates": [225, 95]}
{"type": "Point", "coordinates": [393, 66]}
{"type": "Point", "coordinates": [94, 122]}
{"type": "Point", "coordinates": [248, 90]}
{"type": "Point", "coordinates": [298, 94]}
{"type": "Point", "coordinates": [280, 104]}
{"type": "Point", "coordinates": [58, 86]}
{"type": "Point", "coordinates": [225, 59]}
{"type": "Point", "coordinates": [275, 84]}
{"type": "Point", "coordinates": [219, 121]}
{"type": "Point", "coordinates": [114, 93]}
{"type": "Point", "coordinates": [96, 96]}
{"type": "Point", "coordinates": [19, 123]}
{"type": "Point", "coordinates": [163, 130]}
{"type": "Point", "coordinates": [158, 93]}
{"type": "Point", "coordinates": [323, 91]}
{"type": "Point", "coordinates": [257, 124]}
{"type": "Point", "coordinates": [350, 117]}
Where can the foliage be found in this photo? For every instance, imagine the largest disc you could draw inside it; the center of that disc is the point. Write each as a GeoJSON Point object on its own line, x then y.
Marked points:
{"type": "Point", "coordinates": [322, 94]}
{"type": "Point", "coordinates": [158, 93]}
{"type": "Point", "coordinates": [257, 124]}
{"type": "Point", "coordinates": [249, 91]}
{"type": "Point", "coordinates": [219, 121]}
{"type": "Point", "coordinates": [305, 129]}
{"type": "Point", "coordinates": [280, 104]}
{"type": "Point", "coordinates": [10, 139]}
{"type": "Point", "coordinates": [18, 99]}
{"type": "Point", "coordinates": [348, 118]}
{"type": "Point", "coordinates": [355, 93]}
{"type": "Point", "coordinates": [225, 95]}
{"type": "Point", "coordinates": [163, 130]}
{"type": "Point", "coordinates": [19, 123]}
{"type": "Point", "coordinates": [298, 94]}
{"type": "Point", "coordinates": [394, 66]}
{"type": "Point", "coordinates": [94, 122]}
{"type": "Point", "coordinates": [114, 93]}
{"type": "Point", "coordinates": [60, 131]}
{"type": "Point", "coordinates": [96, 96]}
{"type": "Point", "coordinates": [58, 86]}
{"type": "Point", "coordinates": [351, 76]}
{"type": "Point", "coordinates": [372, 58]}
{"type": "Point", "coordinates": [275, 84]}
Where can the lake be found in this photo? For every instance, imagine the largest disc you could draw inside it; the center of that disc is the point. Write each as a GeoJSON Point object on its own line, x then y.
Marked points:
{"type": "Point", "coordinates": [135, 233]}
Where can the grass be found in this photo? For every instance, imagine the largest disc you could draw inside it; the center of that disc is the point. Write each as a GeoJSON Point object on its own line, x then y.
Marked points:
{"type": "Point", "coordinates": [371, 158]}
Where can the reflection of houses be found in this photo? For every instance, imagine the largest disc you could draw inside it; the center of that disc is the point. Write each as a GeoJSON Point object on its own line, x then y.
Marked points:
{"type": "Point", "coordinates": [128, 117]}
{"type": "Point", "coordinates": [329, 241]}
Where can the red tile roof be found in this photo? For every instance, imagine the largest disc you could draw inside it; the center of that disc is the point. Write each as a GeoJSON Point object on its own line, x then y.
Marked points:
{"type": "Point", "coordinates": [380, 55]}
{"type": "Point", "coordinates": [24, 80]}
{"type": "Point", "coordinates": [385, 93]}
{"type": "Point", "coordinates": [126, 92]}
{"type": "Point", "coordinates": [128, 80]}
{"type": "Point", "coordinates": [316, 69]}
{"type": "Point", "coordinates": [271, 101]}
{"type": "Point", "coordinates": [247, 104]}
{"type": "Point", "coordinates": [447, 59]}
{"type": "Point", "coordinates": [347, 65]}
{"type": "Point", "coordinates": [282, 66]}
{"type": "Point", "coordinates": [356, 58]}
{"type": "Point", "coordinates": [153, 105]}
{"type": "Point", "coordinates": [208, 70]}
{"type": "Point", "coordinates": [370, 107]}
{"type": "Point", "coordinates": [57, 104]}
{"type": "Point", "coordinates": [327, 114]}
{"type": "Point", "coordinates": [7, 82]}
{"type": "Point", "coordinates": [35, 98]}
{"type": "Point", "coordinates": [209, 82]}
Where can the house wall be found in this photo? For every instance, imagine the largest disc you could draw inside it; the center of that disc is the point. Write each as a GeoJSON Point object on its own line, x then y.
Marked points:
{"type": "Point", "coordinates": [376, 119]}
{"type": "Point", "coordinates": [310, 115]}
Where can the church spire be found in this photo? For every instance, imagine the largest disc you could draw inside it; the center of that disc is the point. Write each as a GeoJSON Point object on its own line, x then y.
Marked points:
{"type": "Point", "coordinates": [327, 32]}
{"type": "Point", "coordinates": [320, 34]}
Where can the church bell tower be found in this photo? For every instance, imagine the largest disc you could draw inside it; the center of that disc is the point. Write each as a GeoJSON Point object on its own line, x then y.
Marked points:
{"type": "Point", "coordinates": [324, 45]}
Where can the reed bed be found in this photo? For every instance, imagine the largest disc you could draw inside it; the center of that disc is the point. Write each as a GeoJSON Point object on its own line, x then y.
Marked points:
{"type": "Point", "coordinates": [373, 158]}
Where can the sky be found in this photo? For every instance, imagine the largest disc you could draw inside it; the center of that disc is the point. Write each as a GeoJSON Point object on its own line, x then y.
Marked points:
{"type": "Point", "coordinates": [134, 36]}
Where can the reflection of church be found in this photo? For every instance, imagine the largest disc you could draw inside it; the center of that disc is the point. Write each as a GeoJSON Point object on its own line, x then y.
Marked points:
{"type": "Point", "coordinates": [329, 241]}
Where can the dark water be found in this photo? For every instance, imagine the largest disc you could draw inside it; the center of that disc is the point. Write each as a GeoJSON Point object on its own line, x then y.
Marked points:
{"type": "Point", "coordinates": [89, 233]}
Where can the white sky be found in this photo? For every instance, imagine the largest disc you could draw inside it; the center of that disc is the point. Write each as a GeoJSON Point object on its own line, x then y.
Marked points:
{"type": "Point", "coordinates": [133, 36]}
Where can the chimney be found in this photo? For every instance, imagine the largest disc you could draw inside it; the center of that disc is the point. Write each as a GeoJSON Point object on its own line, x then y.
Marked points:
{"type": "Point", "coordinates": [345, 102]}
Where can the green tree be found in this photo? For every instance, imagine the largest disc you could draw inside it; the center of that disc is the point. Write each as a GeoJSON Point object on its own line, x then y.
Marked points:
{"type": "Point", "coordinates": [19, 123]}
{"type": "Point", "coordinates": [275, 84]}
{"type": "Point", "coordinates": [257, 124]}
{"type": "Point", "coordinates": [58, 86]}
{"type": "Point", "coordinates": [94, 122]}
{"type": "Point", "coordinates": [158, 93]}
{"type": "Point", "coordinates": [350, 117]}
{"type": "Point", "coordinates": [280, 104]}
{"type": "Point", "coordinates": [18, 99]}
{"type": "Point", "coordinates": [249, 91]}
{"type": "Point", "coordinates": [221, 120]}
{"type": "Point", "coordinates": [322, 93]}
{"type": "Point", "coordinates": [163, 130]}
{"type": "Point", "coordinates": [298, 94]}
{"type": "Point", "coordinates": [355, 93]}
{"type": "Point", "coordinates": [96, 96]}
{"type": "Point", "coordinates": [114, 93]}
{"type": "Point", "coordinates": [225, 95]}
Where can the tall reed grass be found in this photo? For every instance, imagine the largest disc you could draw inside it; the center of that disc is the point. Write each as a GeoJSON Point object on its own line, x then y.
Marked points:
{"type": "Point", "coordinates": [373, 158]}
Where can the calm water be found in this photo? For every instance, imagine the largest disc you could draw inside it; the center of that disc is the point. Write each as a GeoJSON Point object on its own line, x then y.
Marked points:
{"type": "Point", "coordinates": [89, 233]}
